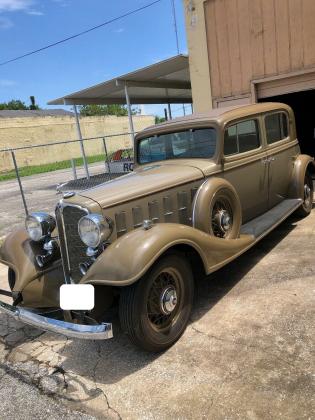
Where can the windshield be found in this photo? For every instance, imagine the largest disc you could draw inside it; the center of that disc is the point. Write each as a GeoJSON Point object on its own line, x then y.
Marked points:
{"type": "Point", "coordinates": [193, 143]}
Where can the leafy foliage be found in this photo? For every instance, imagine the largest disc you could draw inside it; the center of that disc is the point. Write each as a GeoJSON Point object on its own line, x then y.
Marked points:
{"type": "Point", "coordinates": [16, 104]}
{"type": "Point", "coordinates": [159, 120]}
{"type": "Point", "coordinates": [119, 110]}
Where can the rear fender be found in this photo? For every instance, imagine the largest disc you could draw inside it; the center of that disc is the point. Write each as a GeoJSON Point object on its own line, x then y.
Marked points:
{"type": "Point", "coordinates": [301, 164]}
{"type": "Point", "coordinates": [130, 257]}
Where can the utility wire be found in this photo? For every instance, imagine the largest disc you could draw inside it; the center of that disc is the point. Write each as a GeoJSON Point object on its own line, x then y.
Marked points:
{"type": "Point", "coordinates": [175, 25]}
{"type": "Point", "coordinates": [81, 33]}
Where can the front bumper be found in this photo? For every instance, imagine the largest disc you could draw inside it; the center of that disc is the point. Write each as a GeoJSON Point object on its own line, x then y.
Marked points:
{"type": "Point", "coordinates": [102, 331]}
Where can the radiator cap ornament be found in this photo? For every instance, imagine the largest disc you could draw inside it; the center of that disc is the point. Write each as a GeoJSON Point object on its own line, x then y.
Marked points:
{"type": "Point", "coordinates": [68, 194]}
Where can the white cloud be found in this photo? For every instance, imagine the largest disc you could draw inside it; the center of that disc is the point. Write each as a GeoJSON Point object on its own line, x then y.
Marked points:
{"type": "Point", "coordinates": [5, 23]}
{"type": "Point", "coordinates": [119, 30]}
{"type": "Point", "coordinates": [34, 13]}
{"type": "Point", "coordinates": [15, 5]}
{"type": "Point", "coordinates": [7, 83]}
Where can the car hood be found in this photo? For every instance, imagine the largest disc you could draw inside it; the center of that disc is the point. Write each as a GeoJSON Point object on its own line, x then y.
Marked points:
{"type": "Point", "coordinates": [142, 181]}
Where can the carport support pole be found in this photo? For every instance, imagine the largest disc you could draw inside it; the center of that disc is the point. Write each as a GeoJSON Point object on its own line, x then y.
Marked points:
{"type": "Point", "coordinates": [19, 181]}
{"type": "Point", "coordinates": [169, 111]}
{"type": "Point", "coordinates": [132, 131]}
{"type": "Point", "coordinates": [81, 141]}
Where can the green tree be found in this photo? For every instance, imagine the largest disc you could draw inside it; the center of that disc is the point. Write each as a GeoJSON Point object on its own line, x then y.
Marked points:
{"type": "Point", "coordinates": [14, 104]}
{"type": "Point", "coordinates": [17, 104]}
{"type": "Point", "coordinates": [159, 120]}
{"type": "Point", "coordinates": [119, 110]}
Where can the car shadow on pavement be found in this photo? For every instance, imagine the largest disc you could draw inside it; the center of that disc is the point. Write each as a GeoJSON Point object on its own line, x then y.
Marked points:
{"type": "Point", "coordinates": [118, 358]}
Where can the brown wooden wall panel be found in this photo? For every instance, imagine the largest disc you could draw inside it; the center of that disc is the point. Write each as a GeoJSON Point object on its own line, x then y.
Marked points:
{"type": "Point", "coordinates": [296, 34]}
{"type": "Point", "coordinates": [282, 35]}
{"type": "Point", "coordinates": [234, 46]}
{"type": "Point", "coordinates": [224, 58]}
{"type": "Point", "coordinates": [245, 49]}
{"type": "Point", "coordinates": [308, 26]}
{"type": "Point", "coordinates": [269, 36]}
{"type": "Point", "coordinates": [213, 49]}
{"type": "Point", "coordinates": [254, 39]}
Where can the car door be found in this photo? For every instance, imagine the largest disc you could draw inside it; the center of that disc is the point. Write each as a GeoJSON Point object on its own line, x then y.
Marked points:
{"type": "Point", "coordinates": [245, 165]}
{"type": "Point", "coordinates": [281, 148]}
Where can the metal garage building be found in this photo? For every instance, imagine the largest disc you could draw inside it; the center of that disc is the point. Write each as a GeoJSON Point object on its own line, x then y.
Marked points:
{"type": "Point", "coordinates": [243, 51]}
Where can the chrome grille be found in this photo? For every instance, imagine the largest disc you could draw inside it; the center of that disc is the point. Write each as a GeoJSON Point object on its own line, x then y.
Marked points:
{"type": "Point", "coordinates": [72, 248]}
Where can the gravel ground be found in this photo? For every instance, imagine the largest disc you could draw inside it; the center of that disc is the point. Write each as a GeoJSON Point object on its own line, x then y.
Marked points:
{"type": "Point", "coordinates": [20, 400]}
{"type": "Point", "coordinates": [40, 193]}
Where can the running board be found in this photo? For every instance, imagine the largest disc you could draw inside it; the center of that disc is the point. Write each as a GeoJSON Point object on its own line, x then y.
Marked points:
{"type": "Point", "coordinates": [261, 225]}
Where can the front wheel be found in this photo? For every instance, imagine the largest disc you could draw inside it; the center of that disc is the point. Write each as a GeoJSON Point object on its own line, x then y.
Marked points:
{"type": "Point", "coordinates": [154, 312]}
{"type": "Point", "coordinates": [306, 207]}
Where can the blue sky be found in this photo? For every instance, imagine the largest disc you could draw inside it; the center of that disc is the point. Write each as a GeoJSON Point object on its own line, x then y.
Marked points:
{"type": "Point", "coordinates": [133, 42]}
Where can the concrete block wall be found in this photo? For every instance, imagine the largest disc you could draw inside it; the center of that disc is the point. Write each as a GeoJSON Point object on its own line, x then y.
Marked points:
{"type": "Point", "coordinates": [27, 131]}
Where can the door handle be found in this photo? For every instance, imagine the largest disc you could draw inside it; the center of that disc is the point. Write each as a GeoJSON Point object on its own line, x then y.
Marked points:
{"type": "Point", "coordinates": [267, 160]}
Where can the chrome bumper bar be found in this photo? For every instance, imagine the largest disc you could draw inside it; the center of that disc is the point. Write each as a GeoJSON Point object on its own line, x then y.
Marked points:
{"type": "Point", "coordinates": [88, 332]}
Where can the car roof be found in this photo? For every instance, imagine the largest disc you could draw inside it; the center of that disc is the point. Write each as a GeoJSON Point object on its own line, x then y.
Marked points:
{"type": "Point", "coordinates": [219, 116]}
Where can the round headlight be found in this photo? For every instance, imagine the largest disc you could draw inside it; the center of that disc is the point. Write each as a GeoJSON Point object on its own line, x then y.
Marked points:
{"type": "Point", "coordinates": [39, 225]}
{"type": "Point", "coordinates": [94, 229]}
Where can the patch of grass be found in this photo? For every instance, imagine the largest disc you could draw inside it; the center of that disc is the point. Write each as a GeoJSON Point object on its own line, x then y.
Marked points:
{"type": "Point", "coordinates": [48, 167]}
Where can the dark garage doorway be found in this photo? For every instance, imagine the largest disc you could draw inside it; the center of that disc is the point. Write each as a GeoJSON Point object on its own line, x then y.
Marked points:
{"type": "Point", "coordinates": [303, 105]}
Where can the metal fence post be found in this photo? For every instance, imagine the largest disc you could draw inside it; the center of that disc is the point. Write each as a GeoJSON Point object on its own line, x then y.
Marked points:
{"type": "Point", "coordinates": [74, 169]}
{"type": "Point", "coordinates": [19, 181]}
{"type": "Point", "coordinates": [106, 157]}
{"type": "Point", "coordinates": [81, 141]}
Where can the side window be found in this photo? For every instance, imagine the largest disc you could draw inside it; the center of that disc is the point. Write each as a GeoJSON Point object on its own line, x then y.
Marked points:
{"type": "Point", "coordinates": [276, 127]}
{"type": "Point", "coordinates": [241, 137]}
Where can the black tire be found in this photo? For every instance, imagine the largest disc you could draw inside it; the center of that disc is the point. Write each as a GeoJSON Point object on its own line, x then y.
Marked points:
{"type": "Point", "coordinates": [307, 205]}
{"type": "Point", "coordinates": [11, 278]}
{"type": "Point", "coordinates": [144, 306]}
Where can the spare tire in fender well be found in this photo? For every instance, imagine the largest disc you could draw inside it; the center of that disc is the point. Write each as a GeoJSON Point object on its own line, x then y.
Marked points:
{"type": "Point", "coordinates": [204, 200]}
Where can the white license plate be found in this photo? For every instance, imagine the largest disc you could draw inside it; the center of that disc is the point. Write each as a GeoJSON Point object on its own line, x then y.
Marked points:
{"type": "Point", "coordinates": [77, 297]}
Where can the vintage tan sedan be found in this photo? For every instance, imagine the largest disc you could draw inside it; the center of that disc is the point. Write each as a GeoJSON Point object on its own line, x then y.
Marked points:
{"type": "Point", "coordinates": [204, 189]}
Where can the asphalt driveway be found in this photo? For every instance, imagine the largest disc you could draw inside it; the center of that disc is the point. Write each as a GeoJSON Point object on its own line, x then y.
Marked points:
{"type": "Point", "coordinates": [248, 352]}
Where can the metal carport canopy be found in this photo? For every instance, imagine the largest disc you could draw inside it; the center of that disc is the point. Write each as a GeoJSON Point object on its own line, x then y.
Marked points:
{"type": "Point", "coordinates": [167, 81]}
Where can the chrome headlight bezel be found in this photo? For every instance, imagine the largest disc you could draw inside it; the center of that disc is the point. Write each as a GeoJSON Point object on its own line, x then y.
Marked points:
{"type": "Point", "coordinates": [39, 225]}
{"type": "Point", "coordinates": [95, 224]}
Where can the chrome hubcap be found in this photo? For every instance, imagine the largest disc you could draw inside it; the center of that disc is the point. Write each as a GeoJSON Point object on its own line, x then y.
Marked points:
{"type": "Point", "coordinates": [165, 299]}
{"type": "Point", "coordinates": [168, 300]}
{"type": "Point", "coordinates": [222, 221]}
{"type": "Point", "coordinates": [307, 194]}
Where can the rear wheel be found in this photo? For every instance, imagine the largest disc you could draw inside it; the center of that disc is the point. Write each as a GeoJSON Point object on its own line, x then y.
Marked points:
{"type": "Point", "coordinates": [306, 207]}
{"type": "Point", "coordinates": [154, 312]}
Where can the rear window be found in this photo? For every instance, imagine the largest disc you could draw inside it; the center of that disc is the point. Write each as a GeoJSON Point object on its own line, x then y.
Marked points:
{"type": "Point", "coordinates": [276, 127]}
{"type": "Point", "coordinates": [193, 143]}
{"type": "Point", "coordinates": [241, 137]}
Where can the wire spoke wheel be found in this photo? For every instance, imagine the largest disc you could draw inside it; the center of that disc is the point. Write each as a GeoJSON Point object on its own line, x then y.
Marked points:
{"type": "Point", "coordinates": [164, 299]}
{"type": "Point", "coordinates": [154, 311]}
{"type": "Point", "coordinates": [221, 218]}
{"type": "Point", "coordinates": [307, 203]}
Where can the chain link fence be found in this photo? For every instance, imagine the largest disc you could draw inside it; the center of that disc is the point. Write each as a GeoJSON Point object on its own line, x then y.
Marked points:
{"type": "Point", "coordinates": [33, 178]}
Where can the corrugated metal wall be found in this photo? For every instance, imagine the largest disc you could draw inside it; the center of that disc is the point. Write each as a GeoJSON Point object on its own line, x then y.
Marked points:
{"type": "Point", "coordinates": [253, 39]}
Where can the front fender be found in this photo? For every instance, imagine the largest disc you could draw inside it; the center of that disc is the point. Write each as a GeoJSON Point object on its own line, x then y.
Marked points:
{"type": "Point", "coordinates": [129, 257]}
{"type": "Point", "coordinates": [39, 287]}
